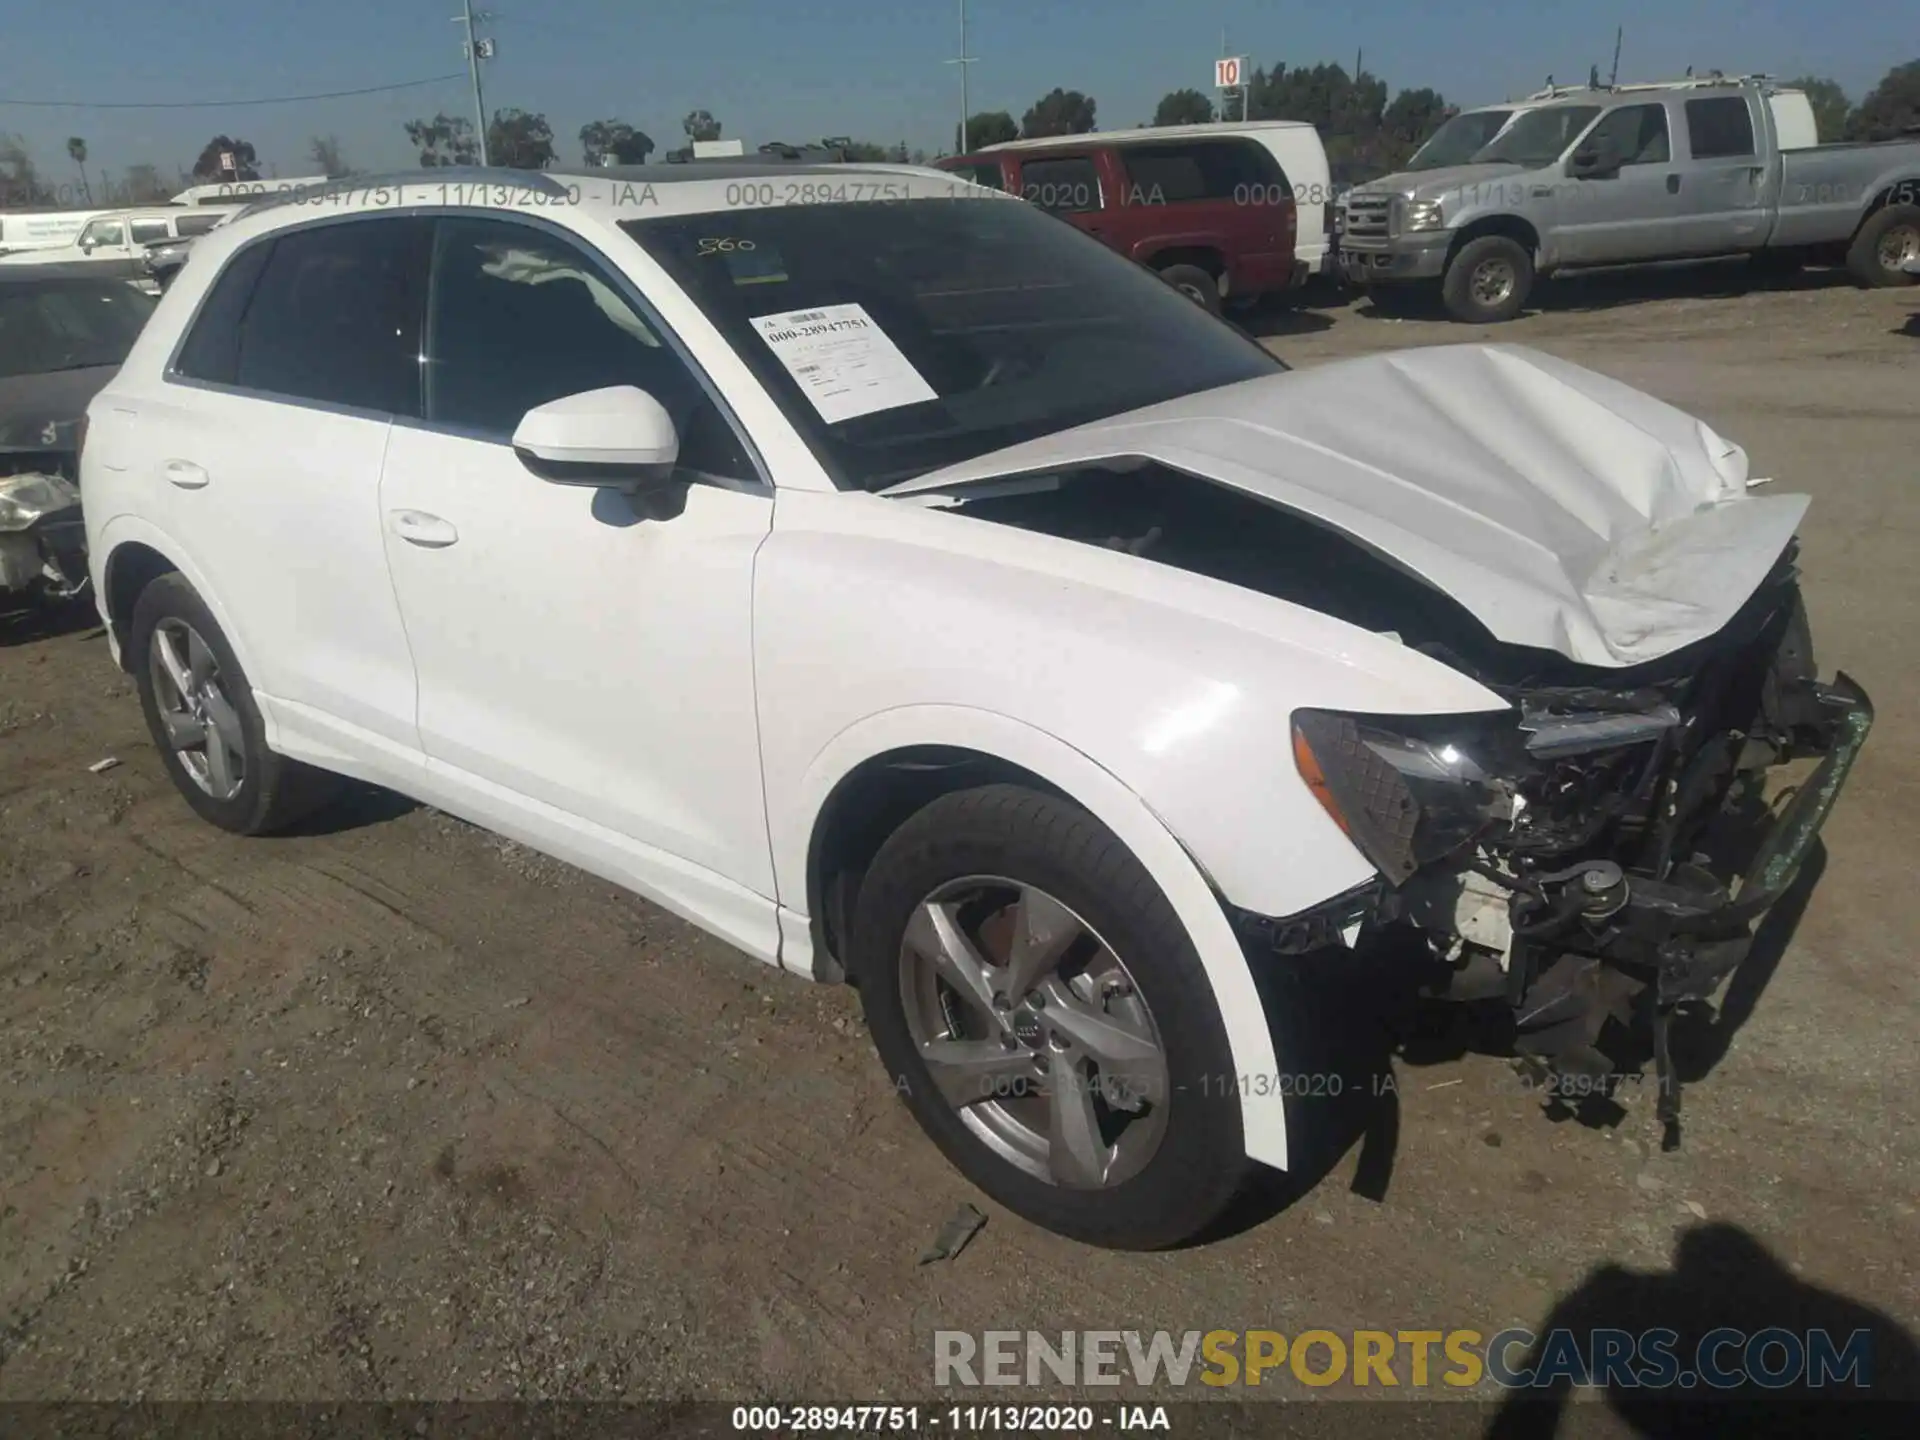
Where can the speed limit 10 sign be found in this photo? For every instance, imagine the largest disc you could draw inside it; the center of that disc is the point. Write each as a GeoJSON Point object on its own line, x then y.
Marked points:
{"type": "Point", "coordinates": [1227, 73]}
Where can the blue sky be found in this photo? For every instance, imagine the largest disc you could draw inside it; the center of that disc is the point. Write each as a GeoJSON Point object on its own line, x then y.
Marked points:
{"type": "Point", "coordinates": [800, 69]}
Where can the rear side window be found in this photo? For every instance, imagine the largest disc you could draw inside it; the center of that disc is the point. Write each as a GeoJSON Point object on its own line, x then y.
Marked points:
{"type": "Point", "coordinates": [336, 316]}
{"type": "Point", "coordinates": [1237, 170]}
{"type": "Point", "coordinates": [1720, 128]}
{"type": "Point", "coordinates": [1067, 186]}
{"type": "Point", "coordinates": [212, 348]}
{"type": "Point", "coordinates": [197, 224]}
{"type": "Point", "coordinates": [145, 232]}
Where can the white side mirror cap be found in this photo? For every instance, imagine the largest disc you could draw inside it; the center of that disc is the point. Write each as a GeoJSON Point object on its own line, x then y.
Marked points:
{"type": "Point", "coordinates": [621, 426]}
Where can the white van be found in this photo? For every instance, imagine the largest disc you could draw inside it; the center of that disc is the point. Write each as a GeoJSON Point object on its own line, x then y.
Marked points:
{"type": "Point", "coordinates": [40, 229]}
{"type": "Point", "coordinates": [115, 240]}
{"type": "Point", "coordinates": [1294, 143]}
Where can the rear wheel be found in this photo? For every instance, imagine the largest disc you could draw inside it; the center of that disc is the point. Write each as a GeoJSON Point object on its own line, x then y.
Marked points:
{"type": "Point", "coordinates": [1047, 1020]}
{"type": "Point", "coordinates": [1196, 284]}
{"type": "Point", "coordinates": [1489, 280]}
{"type": "Point", "coordinates": [1885, 244]}
{"type": "Point", "coordinates": [204, 722]}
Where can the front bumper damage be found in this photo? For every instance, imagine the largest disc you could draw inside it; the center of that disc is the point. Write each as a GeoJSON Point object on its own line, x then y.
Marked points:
{"type": "Point", "coordinates": [1639, 895]}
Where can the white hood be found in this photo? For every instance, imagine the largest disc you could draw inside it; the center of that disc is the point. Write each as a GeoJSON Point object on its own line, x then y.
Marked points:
{"type": "Point", "coordinates": [1565, 510]}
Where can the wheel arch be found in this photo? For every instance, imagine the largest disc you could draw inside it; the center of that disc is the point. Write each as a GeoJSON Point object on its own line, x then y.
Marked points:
{"type": "Point", "coordinates": [132, 554]}
{"type": "Point", "coordinates": [1511, 226]}
{"type": "Point", "coordinates": [894, 762]}
{"type": "Point", "coordinates": [1883, 196]}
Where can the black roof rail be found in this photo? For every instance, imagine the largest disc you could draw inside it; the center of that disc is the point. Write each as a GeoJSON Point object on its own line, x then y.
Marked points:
{"type": "Point", "coordinates": [423, 175]}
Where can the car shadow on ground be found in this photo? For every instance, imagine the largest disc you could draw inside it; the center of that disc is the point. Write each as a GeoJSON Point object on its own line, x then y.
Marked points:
{"type": "Point", "coordinates": [1342, 1019]}
{"type": "Point", "coordinates": [357, 806]}
{"type": "Point", "coordinates": [1276, 321]}
{"type": "Point", "coordinates": [34, 623]}
{"type": "Point", "coordinates": [1596, 290]}
{"type": "Point", "coordinates": [1726, 1288]}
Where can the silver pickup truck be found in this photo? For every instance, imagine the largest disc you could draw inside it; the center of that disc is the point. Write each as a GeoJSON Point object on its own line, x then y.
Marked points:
{"type": "Point", "coordinates": [1691, 169]}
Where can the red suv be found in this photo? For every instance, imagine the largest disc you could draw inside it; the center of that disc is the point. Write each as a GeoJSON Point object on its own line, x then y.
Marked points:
{"type": "Point", "coordinates": [1215, 216]}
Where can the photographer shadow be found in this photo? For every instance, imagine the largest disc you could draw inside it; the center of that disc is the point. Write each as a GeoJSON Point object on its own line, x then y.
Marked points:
{"type": "Point", "coordinates": [1722, 1279]}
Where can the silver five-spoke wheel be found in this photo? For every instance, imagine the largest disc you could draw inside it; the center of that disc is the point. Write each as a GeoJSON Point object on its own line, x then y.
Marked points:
{"type": "Point", "coordinates": [1034, 1031]}
{"type": "Point", "coordinates": [200, 722]}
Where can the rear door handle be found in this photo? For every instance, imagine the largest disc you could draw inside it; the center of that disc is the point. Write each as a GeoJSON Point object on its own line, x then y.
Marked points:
{"type": "Point", "coordinates": [416, 527]}
{"type": "Point", "coordinates": [1673, 184]}
{"type": "Point", "coordinates": [185, 474]}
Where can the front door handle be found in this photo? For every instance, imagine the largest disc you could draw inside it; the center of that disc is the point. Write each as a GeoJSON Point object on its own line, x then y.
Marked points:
{"type": "Point", "coordinates": [185, 474]}
{"type": "Point", "coordinates": [416, 527]}
{"type": "Point", "coordinates": [1673, 184]}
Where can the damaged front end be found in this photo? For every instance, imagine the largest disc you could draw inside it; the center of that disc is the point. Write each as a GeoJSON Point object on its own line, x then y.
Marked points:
{"type": "Point", "coordinates": [43, 542]}
{"type": "Point", "coordinates": [1601, 850]}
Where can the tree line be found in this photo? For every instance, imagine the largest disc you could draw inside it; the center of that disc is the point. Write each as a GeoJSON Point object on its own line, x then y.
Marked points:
{"type": "Point", "coordinates": [1360, 125]}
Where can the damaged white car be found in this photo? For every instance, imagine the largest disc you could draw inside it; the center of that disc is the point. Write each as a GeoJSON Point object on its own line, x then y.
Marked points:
{"type": "Point", "coordinates": [899, 585]}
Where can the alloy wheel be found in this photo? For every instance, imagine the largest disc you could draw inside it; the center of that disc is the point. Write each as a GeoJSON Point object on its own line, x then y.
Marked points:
{"type": "Point", "coordinates": [1034, 1031]}
{"type": "Point", "coordinates": [1493, 281]}
{"type": "Point", "coordinates": [200, 721]}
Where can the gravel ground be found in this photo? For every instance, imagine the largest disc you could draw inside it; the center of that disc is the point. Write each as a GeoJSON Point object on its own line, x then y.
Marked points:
{"type": "Point", "coordinates": [392, 1108]}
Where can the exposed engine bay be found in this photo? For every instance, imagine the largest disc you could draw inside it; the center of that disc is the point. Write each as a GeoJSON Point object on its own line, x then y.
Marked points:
{"type": "Point", "coordinates": [43, 543]}
{"type": "Point", "coordinates": [1595, 854]}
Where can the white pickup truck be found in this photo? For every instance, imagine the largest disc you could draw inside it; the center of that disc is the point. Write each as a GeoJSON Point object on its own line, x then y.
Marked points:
{"type": "Point", "coordinates": [1604, 177]}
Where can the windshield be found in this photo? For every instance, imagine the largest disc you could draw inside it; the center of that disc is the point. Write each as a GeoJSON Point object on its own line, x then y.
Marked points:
{"type": "Point", "coordinates": [1457, 141]}
{"type": "Point", "coordinates": [901, 337]}
{"type": "Point", "coordinates": [1539, 137]}
{"type": "Point", "coordinates": [48, 325]}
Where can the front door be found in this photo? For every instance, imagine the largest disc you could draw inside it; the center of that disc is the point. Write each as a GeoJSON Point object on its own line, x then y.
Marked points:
{"type": "Point", "coordinates": [1635, 213]}
{"type": "Point", "coordinates": [104, 243]}
{"type": "Point", "coordinates": [585, 669]}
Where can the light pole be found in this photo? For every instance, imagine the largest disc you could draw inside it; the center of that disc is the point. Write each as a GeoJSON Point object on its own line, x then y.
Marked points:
{"type": "Point", "coordinates": [474, 57]}
{"type": "Point", "coordinates": [962, 60]}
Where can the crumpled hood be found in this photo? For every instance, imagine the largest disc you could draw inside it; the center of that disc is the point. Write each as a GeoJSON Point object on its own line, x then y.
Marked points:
{"type": "Point", "coordinates": [1564, 510]}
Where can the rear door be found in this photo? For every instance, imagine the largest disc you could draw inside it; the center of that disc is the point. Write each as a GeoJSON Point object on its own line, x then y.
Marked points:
{"type": "Point", "coordinates": [1227, 196]}
{"type": "Point", "coordinates": [1726, 181]}
{"type": "Point", "coordinates": [266, 442]}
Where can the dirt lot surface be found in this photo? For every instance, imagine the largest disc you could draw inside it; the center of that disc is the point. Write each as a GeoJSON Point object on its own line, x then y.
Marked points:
{"type": "Point", "coordinates": [392, 1108]}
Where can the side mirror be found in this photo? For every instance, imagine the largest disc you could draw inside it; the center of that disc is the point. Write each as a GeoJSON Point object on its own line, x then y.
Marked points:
{"type": "Point", "coordinates": [86, 246]}
{"type": "Point", "coordinates": [1597, 160]}
{"type": "Point", "coordinates": [620, 436]}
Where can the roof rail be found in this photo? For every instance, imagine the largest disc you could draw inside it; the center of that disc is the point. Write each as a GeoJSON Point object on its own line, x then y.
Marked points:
{"type": "Point", "coordinates": [424, 175]}
{"type": "Point", "coordinates": [1711, 78]}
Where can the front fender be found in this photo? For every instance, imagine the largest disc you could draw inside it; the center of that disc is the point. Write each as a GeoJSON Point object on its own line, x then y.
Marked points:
{"type": "Point", "coordinates": [1263, 1115]}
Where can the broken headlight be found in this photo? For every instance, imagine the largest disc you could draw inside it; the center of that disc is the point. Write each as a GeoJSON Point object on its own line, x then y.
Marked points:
{"type": "Point", "coordinates": [1408, 790]}
{"type": "Point", "coordinates": [25, 499]}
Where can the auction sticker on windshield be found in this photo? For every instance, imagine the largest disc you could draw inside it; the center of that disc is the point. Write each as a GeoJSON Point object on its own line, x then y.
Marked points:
{"type": "Point", "coordinates": [847, 365]}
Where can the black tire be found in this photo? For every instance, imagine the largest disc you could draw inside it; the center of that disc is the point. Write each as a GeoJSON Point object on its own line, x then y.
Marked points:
{"type": "Point", "coordinates": [274, 792]}
{"type": "Point", "coordinates": [1467, 299]}
{"type": "Point", "coordinates": [1037, 839]}
{"type": "Point", "coordinates": [1863, 256]}
{"type": "Point", "coordinates": [1196, 284]}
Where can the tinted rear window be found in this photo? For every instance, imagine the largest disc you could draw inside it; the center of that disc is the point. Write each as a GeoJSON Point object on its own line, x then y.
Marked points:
{"type": "Point", "coordinates": [1236, 170]}
{"type": "Point", "coordinates": [1720, 128]}
{"type": "Point", "coordinates": [212, 347]}
{"type": "Point", "coordinates": [336, 316]}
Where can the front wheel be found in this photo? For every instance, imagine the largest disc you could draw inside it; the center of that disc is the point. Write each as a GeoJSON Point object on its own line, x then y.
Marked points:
{"type": "Point", "coordinates": [1885, 246]}
{"type": "Point", "coordinates": [1047, 1020]}
{"type": "Point", "coordinates": [1489, 280]}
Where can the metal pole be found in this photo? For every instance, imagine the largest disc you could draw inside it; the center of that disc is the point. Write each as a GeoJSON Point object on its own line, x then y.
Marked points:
{"type": "Point", "coordinates": [473, 69]}
{"type": "Point", "coordinates": [963, 76]}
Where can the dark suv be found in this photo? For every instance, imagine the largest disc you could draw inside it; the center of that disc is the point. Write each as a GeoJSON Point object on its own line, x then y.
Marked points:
{"type": "Point", "coordinates": [1214, 216]}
